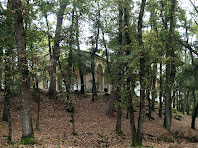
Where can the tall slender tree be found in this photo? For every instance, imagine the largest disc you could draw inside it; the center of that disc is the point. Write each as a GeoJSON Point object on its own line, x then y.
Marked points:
{"type": "Point", "coordinates": [130, 82]}
{"type": "Point", "coordinates": [94, 51]}
{"type": "Point", "coordinates": [56, 52]}
{"type": "Point", "coordinates": [141, 75]}
{"type": "Point", "coordinates": [170, 69]}
{"type": "Point", "coordinates": [26, 118]}
{"type": "Point", "coordinates": [82, 86]}
{"type": "Point", "coordinates": [118, 81]}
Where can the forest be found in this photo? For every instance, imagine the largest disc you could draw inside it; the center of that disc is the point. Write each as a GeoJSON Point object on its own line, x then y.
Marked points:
{"type": "Point", "coordinates": [149, 55]}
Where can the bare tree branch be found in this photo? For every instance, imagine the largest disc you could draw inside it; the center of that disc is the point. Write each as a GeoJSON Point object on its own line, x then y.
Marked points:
{"type": "Point", "coordinates": [188, 46]}
{"type": "Point", "coordinates": [194, 6]}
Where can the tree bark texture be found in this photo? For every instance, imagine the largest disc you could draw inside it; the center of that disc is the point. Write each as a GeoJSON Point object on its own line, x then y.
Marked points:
{"type": "Point", "coordinates": [26, 119]}
{"type": "Point", "coordinates": [141, 75]}
{"type": "Point", "coordinates": [5, 109]}
{"type": "Point", "coordinates": [94, 93]}
{"type": "Point", "coordinates": [118, 89]}
{"type": "Point", "coordinates": [37, 91]}
{"type": "Point", "coordinates": [55, 55]}
{"type": "Point", "coordinates": [154, 95]}
{"type": "Point", "coordinates": [194, 115]}
{"type": "Point", "coordinates": [1, 71]}
{"type": "Point", "coordinates": [170, 70]}
{"type": "Point", "coordinates": [129, 82]}
{"type": "Point", "coordinates": [7, 66]}
{"type": "Point", "coordinates": [7, 92]}
{"type": "Point", "coordinates": [148, 90]}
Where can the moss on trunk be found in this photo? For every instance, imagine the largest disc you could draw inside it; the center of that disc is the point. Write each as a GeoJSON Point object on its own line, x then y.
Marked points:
{"type": "Point", "coordinates": [28, 139]}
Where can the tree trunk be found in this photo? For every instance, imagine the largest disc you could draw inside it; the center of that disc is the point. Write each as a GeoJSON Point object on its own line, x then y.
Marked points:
{"type": "Point", "coordinates": [55, 55]}
{"type": "Point", "coordinates": [187, 104]}
{"type": "Point", "coordinates": [110, 110]}
{"type": "Point", "coordinates": [1, 71]}
{"type": "Point", "coordinates": [167, 119]}
{"type": "Point", "coordinates": [7, 67]}
{"type": "Point", "coordinates": [38, 105]}
{"type": "Point", "coordinates": [119, 112]}
{"type": "Point", "coordinates": [5, 110]}
{"type": "Point", "coordinates": [26, 119]}
{"type": "Point", "coordinates": [132, 117]}
{"type": "Point", "coordinates": [49, 36]}
{"type": "Point", "coordinates": [177, 101]}
{"type": "Point", "coordinates": [180, 102]}
{"type": "Point", "coordinates": [149, 101]}
{"type": "Point", "coordinates": [7, 97]}
{"type": "Point", "coordinates": [170, 70]}
{"type": "Point", "coordinates": [194, 115]}
{"type": "Point", "coordinates": [118, 88]}
{"type": "Point", "coordinates": [7, 94]}
{"type": "Point", "coordinates": [132, 124]}
{"type": "Point", "coordinates": [94, 93]}
{"type": "Point", "coordinates": [130, 83]}
{"type": "Point", "coordinates": [142, 76]}
{"type": "Point", "coordinates": [184, 101]}
{"type": "Point", "coordinates": [148, 89]}
{"type": "Point", "coordinates": [94, 50]}
{"type": "Point", "coordinates": [154, 95]}
{"type": "Point", "coordinates": [69, 68]}
{"type": "Point", "coordinates": [82, 88]}
{"type": "Point", "coordinates": [174, 99]}
{"type": "Point", "coordinates": [161, 90]}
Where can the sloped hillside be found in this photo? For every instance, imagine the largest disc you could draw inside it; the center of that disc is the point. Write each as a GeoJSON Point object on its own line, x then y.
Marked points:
{"type": "Point", "coordinates": [93, 127]}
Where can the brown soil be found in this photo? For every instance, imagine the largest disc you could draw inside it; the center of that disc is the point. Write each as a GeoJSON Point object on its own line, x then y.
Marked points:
{"type": "Point", "coordinates": [93, 127]}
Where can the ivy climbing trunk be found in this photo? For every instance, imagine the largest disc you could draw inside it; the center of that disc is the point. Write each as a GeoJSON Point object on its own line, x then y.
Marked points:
{"type": "Point", "coordinates": [26, 118]}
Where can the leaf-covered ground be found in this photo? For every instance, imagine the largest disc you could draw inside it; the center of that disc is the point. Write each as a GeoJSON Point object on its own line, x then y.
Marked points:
{"type": "Point", "coordinates": [93, 127]}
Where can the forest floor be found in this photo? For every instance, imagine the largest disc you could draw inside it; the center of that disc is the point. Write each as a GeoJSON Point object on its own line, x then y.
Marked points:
{"type": "Point", "coordinates": [93, 127]}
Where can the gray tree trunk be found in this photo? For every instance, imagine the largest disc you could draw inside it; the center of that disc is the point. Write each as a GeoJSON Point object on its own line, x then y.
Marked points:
{"type": "Point", "coordinates": [118, 88]}
{"type": "Point", "coordinates": [1, 55]}
{"type": "Point", "coordinates": [161, 91]}
{"type": "Point", "coordinates": [154, 95]}
{"type": "Point", "coordinates": [194, 115]}
{"type": "Point", "coordinates": [93, 52]}
{"type": "Point", "coordinates": [142, 76]}
{"type": "Point", "coordinates": [82, 88]}
{"type": "Point", "coordinates": [55, 55]}
{"type": "Point", "coordinates": [26, 118]}
{"type": "Point", "coordinates": [170, 70]}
